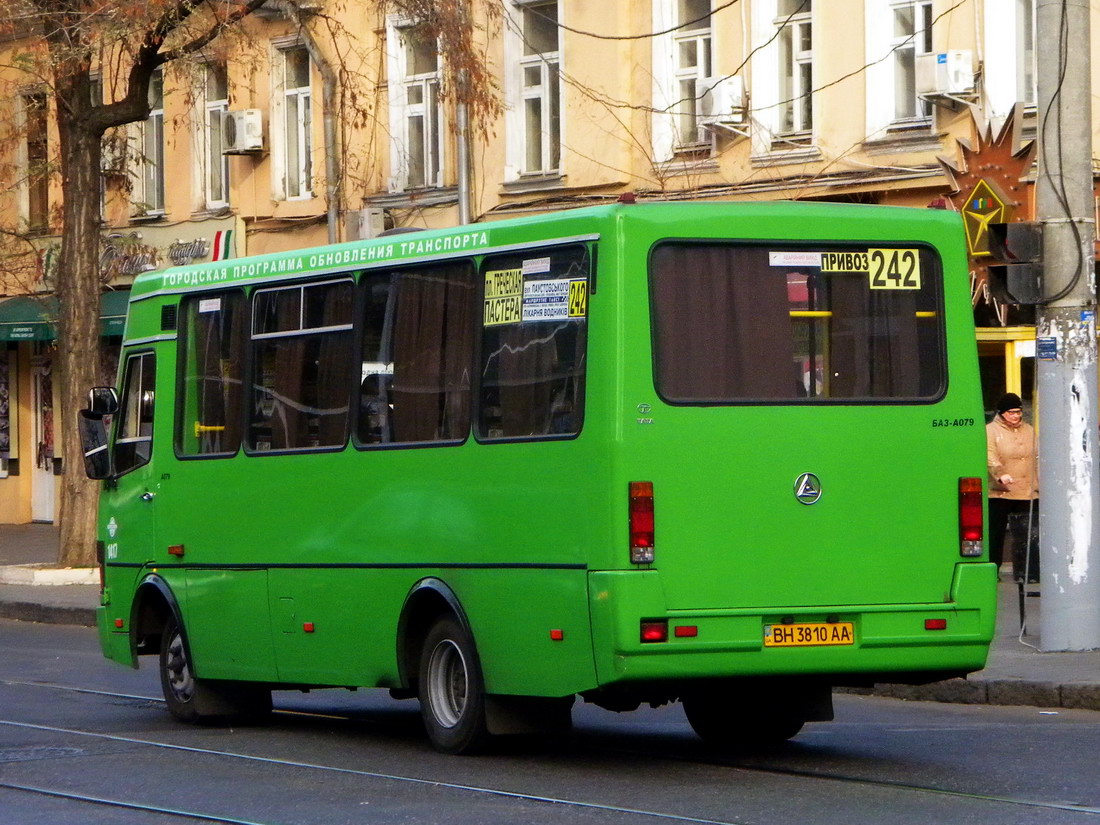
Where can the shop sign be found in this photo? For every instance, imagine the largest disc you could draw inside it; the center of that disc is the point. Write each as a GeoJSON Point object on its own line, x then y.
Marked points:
{"type": "Point", "coordinates": [185, 252]}
{"type": "Point", "coordinates": [125, 254]}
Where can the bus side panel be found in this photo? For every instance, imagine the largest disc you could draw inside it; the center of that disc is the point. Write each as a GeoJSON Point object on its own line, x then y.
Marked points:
{"type": "Point", "coordinates": [337, 627]}
{"type": "Point", "coordinates": [228, 625]}
{"type": "Point", "coordinates": [512, 614]}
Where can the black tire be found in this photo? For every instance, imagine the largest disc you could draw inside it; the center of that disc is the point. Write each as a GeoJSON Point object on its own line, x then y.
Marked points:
{"type": "Point", "coordinates": [742, 720]}
{"type": "Point", "coordinates": [203, 701]}
{"type": "Point", "coordinates": [452, 691]}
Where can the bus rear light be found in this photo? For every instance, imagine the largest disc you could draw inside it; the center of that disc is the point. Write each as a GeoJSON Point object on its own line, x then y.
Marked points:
{"type": "Point", "coordinates": [557, 635]}
{"type": "Point", "coordinates": [655, 630]}
{"type": "Point", "coordinates": [971, 517]}
{"type": "Point", "coordinates": [641, 522]}
{"type": "Point", "coordinates": [685, 631]}
{"type": "Point", "coordinates": [935, 624]}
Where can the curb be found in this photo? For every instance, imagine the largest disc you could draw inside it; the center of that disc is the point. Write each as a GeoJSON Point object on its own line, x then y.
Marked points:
{"type": "Point", "coordinates": [48, 614]}
{"type": "Point", "coordinates": [47, 574]}
{"type": "Point", "coordinates": [1071, 696]}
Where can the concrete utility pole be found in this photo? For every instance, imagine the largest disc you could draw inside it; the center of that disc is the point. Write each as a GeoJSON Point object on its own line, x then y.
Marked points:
{"type": "Point", "coordinates": [1069, 482]}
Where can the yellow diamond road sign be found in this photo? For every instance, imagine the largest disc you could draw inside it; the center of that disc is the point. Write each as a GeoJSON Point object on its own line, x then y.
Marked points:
{"type": "Point", "coordinates": [983, 207]}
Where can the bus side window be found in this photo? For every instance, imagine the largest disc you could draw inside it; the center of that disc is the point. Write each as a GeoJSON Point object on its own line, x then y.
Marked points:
{"type": "Point", "coordinates": [418, 335]}
{"type": "Point", "coordinates": [533, 344]}
{"type": "Point", "coordinates": [211, 379]}
{"type": "Point", "coordinates": [301, 362]}
{"type": "Point", "coordinates": [134, 438]}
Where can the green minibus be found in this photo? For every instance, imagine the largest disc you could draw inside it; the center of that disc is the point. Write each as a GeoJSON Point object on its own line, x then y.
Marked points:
{"type": "Point", "coordinates": [727, 454]}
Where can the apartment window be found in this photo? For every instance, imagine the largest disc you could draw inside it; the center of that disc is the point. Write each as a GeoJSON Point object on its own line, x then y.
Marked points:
{"type": "Point", "coordinates": [692, 61]}
{"type": "Point", "coordinates": [297, 123]}
{"type": "Point", "coordinates": [216, 182]}
{"type": "Point", "coordinates": [912, 36]}
{"type": "Point", "coordinates": [38, 162]}
{"type": "Point", "coordinates": [1025, 51]}
{"type": "Point", "coordinates": [149, 193]}
{"type": "Point", "coordinates": [540, 86]}
{"type": "Point", "coordinates": [416, 112]}
{"type": "Point", "coordinates": [795, 38]}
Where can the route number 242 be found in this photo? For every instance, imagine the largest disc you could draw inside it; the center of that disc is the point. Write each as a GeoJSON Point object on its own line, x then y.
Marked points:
{"type": "Point", "coordinates": [893, 268]}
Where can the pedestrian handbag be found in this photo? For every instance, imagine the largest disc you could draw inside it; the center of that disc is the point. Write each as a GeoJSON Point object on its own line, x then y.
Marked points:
{"type": "Point", "coordinates": [1024, 529]}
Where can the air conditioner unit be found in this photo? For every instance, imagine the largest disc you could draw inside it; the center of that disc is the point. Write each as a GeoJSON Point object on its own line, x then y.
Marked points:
{"type": "Point", "coordinates": [368, 222]}
{"type": "Point", "coordinates": [242, 132]}
{"type": "Point", "coordinates": [945, 74]}
{"type": "Point", "coordinates": [720, 100]}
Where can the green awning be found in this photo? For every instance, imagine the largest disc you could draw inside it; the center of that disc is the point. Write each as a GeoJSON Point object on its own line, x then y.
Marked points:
{"type": "Point", "coordinates": [34, 318]}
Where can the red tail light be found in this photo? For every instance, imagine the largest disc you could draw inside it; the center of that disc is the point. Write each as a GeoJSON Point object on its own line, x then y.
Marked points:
{"type": "Point", "coordinates": [971, 517]}
{"type": "Point", "coordinates": [641, 522]}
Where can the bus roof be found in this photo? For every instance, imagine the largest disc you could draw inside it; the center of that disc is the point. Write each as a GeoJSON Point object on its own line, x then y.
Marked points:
{"type": "Point", "coordinates": [584, 223]}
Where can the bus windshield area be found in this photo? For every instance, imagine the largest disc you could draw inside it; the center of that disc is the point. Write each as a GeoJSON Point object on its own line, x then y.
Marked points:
{"type": "Point", "coordinates": [737, 323]}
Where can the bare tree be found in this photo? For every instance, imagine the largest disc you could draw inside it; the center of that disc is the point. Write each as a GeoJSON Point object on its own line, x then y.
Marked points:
{"type": "Point", "coordinates": [64, 44]}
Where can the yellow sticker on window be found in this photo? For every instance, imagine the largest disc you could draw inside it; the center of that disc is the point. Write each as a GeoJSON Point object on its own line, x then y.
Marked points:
{"type": "Point", "coordinates": [893, 268]}
{"type": "Point", "coordinates": [503, 297]}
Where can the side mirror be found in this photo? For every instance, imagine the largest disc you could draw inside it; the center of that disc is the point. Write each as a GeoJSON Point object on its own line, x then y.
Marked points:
{"type": "Point", "coordinates": [93, 440]}
{"type": "Point", "coordinates": [102, 401]}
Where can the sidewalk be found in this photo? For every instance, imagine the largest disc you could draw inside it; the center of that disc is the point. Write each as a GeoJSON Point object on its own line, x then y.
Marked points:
{"type": "Point", "coordinates": [1017, 672]}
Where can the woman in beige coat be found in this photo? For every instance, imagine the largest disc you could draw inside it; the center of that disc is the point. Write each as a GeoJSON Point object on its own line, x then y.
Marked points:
{"type": "Point", "coordinates": [1013, 483]}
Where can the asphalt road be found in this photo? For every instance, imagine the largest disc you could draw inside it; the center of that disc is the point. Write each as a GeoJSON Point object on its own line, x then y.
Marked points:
{"type": "Point", "coordinates": [85, 741]}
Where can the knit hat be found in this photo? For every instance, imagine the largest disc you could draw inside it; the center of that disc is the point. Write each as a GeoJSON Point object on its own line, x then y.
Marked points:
{"type": "Point", "coordinates": [1008, 401]}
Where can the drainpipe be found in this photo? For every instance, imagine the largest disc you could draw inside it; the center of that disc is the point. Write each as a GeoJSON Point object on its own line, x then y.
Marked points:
{"type": "Point", "coordinates": [329, 96]}
{"type": "Point", "coordinates": [462, 118]}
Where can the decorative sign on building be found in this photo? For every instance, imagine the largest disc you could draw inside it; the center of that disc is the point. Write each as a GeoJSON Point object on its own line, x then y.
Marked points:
{"type": "Point", "coordinates": [990, 185]}
{"type": "Point", "coordinates": [185, 252]}
{"type": "Point", "coordinates": [125, 254]}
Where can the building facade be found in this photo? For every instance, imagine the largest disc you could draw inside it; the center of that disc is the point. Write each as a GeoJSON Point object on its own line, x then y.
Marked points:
{"type": "Point", "coordinates": [311, 129]}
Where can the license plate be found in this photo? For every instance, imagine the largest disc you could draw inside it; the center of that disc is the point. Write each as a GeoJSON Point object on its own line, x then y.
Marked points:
{"type": "Point", "coordinates": [808, 634]}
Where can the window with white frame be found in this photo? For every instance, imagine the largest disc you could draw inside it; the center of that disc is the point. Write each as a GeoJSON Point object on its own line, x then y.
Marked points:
{"type": "Point", "coordinates": [1025, 52]}
{"type": "Point", "coordinates": [693, 62]}
{"type": "Point", "coordinates": [35, 172]}
{"type": "Point", "coordinates": [148, 194]}
{"type": "Point", "coordinates": [912, 36]}
{"type": "Point", "coordinates": [538, 67]}
{"type": "Point", "coordinates": [216, 164]}
{"type": "Point", "coordinates": [416, 110]}
{"type": "Point", "coordinates": [296, 123]}
{"type": "Point", "coordinates": [795, 38]}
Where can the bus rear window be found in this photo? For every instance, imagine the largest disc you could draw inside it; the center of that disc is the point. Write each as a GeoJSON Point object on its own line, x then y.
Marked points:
{"type": "Point", "coordinates": [735, 323]}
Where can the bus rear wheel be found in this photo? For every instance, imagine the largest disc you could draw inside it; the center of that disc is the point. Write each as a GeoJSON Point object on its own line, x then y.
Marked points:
{"type": "Point", "coordinates": [202, 701]}
{"type": "Point", "coordinates": [737, 718]}
{"type": "Point", "coordinates": [452, 691]}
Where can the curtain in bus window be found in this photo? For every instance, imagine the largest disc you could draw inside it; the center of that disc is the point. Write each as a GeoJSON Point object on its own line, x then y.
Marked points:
{"type": "Point", "coordinates": [418, 344]}
{"type": "Point", "coordinates": [533, 371]}
{"type": "Point", "coordinates": [721, 325]}
{"type": "Point", "coordinates": [873, 341]}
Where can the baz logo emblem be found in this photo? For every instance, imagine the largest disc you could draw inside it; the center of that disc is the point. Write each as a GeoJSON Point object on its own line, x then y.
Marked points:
{"type": "Point", "coordinates": [807, 488]}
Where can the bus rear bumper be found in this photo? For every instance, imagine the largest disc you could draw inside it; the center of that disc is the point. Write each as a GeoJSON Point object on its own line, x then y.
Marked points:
{"type": "Point", "coordinates": [938, 639]}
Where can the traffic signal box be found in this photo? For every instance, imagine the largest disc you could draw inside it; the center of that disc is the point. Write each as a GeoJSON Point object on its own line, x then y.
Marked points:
{"type": "Point", "coordinates": [1018, 278]}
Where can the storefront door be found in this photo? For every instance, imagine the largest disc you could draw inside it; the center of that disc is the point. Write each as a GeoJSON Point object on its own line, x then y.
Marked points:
{"type": "Point", "coordinates": [43, 487]}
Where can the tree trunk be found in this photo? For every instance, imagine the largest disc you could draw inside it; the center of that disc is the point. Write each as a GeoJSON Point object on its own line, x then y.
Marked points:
{"type": "Point", "coordinates": [78, 340]}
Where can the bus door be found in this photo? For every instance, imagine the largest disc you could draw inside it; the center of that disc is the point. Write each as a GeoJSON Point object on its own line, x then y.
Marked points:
{"type": "Point", "coordinates": [130, 501]}
{"type": "Point", "coordinates": [795, 458]}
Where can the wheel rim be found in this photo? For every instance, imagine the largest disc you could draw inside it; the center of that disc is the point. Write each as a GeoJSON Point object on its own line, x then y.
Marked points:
{"type": "Point", "coordinates": [448, 683]}
{"type": "Point", "coordinates": [178, 671]}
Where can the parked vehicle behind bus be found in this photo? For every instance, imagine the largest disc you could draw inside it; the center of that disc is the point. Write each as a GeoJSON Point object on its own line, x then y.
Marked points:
{"type": "Point", "coordinates": [729, 454]}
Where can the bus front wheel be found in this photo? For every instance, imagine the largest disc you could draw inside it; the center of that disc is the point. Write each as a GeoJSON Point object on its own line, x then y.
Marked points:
{"type": "Point", "coordinates": [200, 701]}
{"type": "Point", "coordinates": [452, 691]}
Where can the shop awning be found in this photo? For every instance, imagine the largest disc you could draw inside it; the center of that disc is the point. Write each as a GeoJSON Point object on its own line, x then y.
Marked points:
{"type": "Point", "coordinates": [34, 318]}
